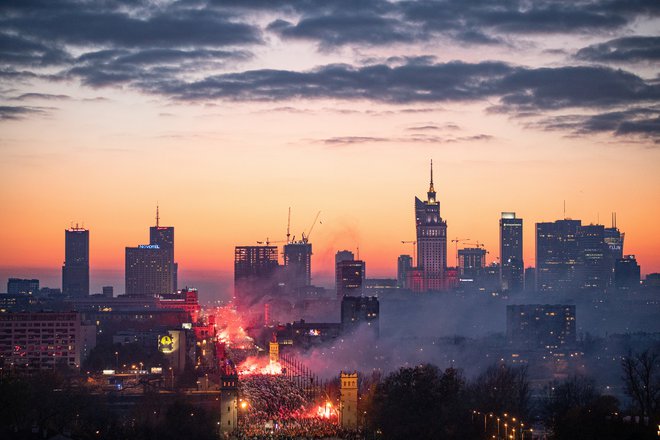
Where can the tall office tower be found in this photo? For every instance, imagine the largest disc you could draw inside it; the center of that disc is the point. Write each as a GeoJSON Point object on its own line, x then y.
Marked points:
{"type": "Point", "coordinates": [356, 311]}
{"type": "Point", "coordinates": [350, 276]}
{"type": "Point", "coordinates": [512, 268]}
{"type": "Point", "coordinates": [557, 255]}
{"type": "Point", "coordinates": [403, 266]}
{"type": "Point", "coordinates": [471, 262]}
{"type": "Point", "coordinates": [148, 271]}
{"type": "Point", "coordinates": [627, 273]}
{"type": "Point", "coordinates": [593, 269]}
{"type": "Point", "coordinates": [254, 272]}
{"type": "Point", "coordinates": [19, 286]}
{"type": "Point", "coordinates": [163, 236]}
{"type": "Point", "coordinates": [298, 264]}
{"type": "Point", "coordinates": [614, 246]}
{"type": "Point", "coordinates": [75, 271]}
{"type": "Point", "coordinates": [431, 241]}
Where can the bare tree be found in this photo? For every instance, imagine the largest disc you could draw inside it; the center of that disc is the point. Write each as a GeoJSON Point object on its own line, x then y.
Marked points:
{"type": "Point", "coordinates": [641, 376]}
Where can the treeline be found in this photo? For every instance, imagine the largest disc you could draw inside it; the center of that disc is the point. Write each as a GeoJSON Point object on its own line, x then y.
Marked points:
{"type": "Point", "coordinates": [424, 402]}
{"type": "Point", "coordinates": [44, 405]}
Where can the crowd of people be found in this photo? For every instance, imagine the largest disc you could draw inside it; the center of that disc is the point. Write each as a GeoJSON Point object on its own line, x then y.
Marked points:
{"type": "Point", "coordinates": [273, 407]}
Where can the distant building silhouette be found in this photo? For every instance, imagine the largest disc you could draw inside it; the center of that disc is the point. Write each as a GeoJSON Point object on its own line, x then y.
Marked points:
{"type": "Point", "coordinates": [511, 252]}
{"type": "Point", "coordinates": [403, 265]}
{"type": "Point", "coordinates": [20, 286]}
{"type": "Point", "coordinates": [627, 273]}
{"type": "Point", "coordinates": [254, 272]}
{"type": "Point", "coordinates": [431, 241]}
{"type": "Point", "coordinates": [533, 326]}
{"type": "Point", "coordinates": [350, 275]}
{"type": "Point", "coordinates": [471, 263]}
{"type": "Point", "coordinates": [594, 271]}
{"type": "Point", "coordinates": [75, 271]}
{"type": "Point", "coordinates": [298, 264]}
{"type": "Point", "coordinates": [557, 254]}
{"type": "Point", "coordinates": [614, 240]}
{"type": "Point", "coordinates": [356, 311]}
{"type": "Point", "coordinates": [163, 236]}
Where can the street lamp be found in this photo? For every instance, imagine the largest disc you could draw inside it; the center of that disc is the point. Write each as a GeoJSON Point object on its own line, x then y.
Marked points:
{"type": "Point", "coordinates": [116, 361]}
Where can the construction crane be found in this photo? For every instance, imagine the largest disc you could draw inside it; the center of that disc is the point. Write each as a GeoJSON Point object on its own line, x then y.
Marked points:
{"type": "Point", "coordinates": [305, 237]}
{"type": "Point", "coordinates": [456, 241]}
{"type": "Point", "coordinates": [414, 244]}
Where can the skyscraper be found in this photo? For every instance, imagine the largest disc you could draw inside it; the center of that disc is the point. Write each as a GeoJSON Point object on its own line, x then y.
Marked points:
{"type": "Point", "coordinates": [75, 271]}
{"type": "Point", "coordinates": [557, 255]}
{"type": "Point", "coordinates": [148, 271]}
{"type": "Point", "coordinates": [254, 272]}
{"type": "Point", "coordinates": [614, 242]}
{"type": "Point", "coordinates": [511, 252]}
{"type": "Point", "coordinates": [163, 236]}
{"type": "Point", "coordinates": [298, 264]}
{"type": "Point", "coordinates": [594, 271]}
{"type": "Point", "coordinates": [431, 241]}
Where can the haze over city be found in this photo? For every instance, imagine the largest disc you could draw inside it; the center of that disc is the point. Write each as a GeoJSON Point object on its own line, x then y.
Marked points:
{"type": "Point", "coordinates": [250, 108]}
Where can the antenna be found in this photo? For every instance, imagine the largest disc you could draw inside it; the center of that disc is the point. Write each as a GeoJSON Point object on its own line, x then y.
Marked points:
{"type": "Point", "coordinates": [157, 215]}
{"type": "Point", "coordinates": [288, 227]}
{"type": "Point", "coordinates": [564, 209]}
{"type": "Point", "coordinates": [358, 252]}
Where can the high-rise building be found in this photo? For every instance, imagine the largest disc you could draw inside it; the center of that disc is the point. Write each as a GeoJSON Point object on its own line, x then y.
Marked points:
{"type": "Point", "coordinates": [533, 326]}
{"type": "Point", "coordinates": [19, 286]}
{"type": "Point", "coordinates": [163, 236]}
{"type": "Point", "coordinates": [148, 271]}
{"type": "Point", "coordinates": [75, 271]}
{"type": "Point", "coordinates": [593, 270]}
{"type": "Point", "coordinates": [627, 273]}
{"type": "Point", "coordinates": [512, 268]}
{"type": "Point", "coordinates": [614, 239]}
{"type": "Point", "coordinates": [356, 311]}
{"type": "Point", "coordinates": [108, 291]}
{"type": "Point", "coordinates": [403, 266]}
{"type": "Point", "coordinates": [557, 255]}
{"type": "Point", "coordinates": [254, 272]}
{"type": "Point", "coordinates": [431, 241]}
{"type": "Point", "coordinates": [350, 276]}
{"type": "Point", "coordinates": [471, 262]}
{"type": "Point", "coordinates": [298, 264]}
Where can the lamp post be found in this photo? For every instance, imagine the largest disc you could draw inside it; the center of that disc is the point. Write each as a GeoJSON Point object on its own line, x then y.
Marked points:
{"type": "Point", "coordinates": [116, 361]}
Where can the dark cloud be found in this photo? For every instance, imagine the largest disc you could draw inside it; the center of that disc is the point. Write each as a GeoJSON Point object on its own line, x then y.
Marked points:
{"type": "Point", "coordinates": [643, 122]}
{"type": "Point", "coordinates": [415, 138]}
{"type": "Point", "coordinates": [18, 51]}
{"type": "Point", "coordinates": [12, 113]}
{"type": "Point", "coordinates": [41, 96]}
{"type": "Point", "coordinates": [348, 28]}
{"type": "Point", "coordinates": [348, 140]}
{"type": "Point", "coordinates": [628, 49]}
{"type": "Point", "coordinates": [178, 29]}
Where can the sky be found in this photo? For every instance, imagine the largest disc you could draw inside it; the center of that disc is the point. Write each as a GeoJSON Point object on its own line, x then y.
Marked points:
{"type": "Point", "coordinates": [227, 113]}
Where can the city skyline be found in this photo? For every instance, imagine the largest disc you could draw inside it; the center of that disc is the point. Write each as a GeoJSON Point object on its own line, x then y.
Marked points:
{"type": "Point", "coordinates": [255, 108]}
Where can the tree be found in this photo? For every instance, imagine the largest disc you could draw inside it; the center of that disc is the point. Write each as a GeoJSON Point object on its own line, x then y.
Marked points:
{"type": "Point", "coordinates": [421, 403]}
{"type": "Point", "coordinates": [502, 389]}
{"type": "Point", "coordinates": [641, 377]}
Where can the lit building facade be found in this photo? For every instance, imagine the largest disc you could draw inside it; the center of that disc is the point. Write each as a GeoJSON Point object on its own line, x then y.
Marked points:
{"type": "Point", "coordinates": [403, 265]}
{"type": "Point", "coordinates": [20, 286]}
{"type": "Point", "coordinates": [557, 255]}
{"type": "Point", "coordinates": [471, 263]}
{"type": "Point", "coordinates": [148, 271]}
{"type": "Point", "coordinates": [431, 241]}
{"type": "Point", "coordinates": [512, 268]}
{"type": "Point", "coordinates": [533, 326]}
{"type": "Point", "coordinates": [350, 276]}
{"type": "Point", "coordinates": [75, 271]}
{"type": "Point", "coordinates": [44, 341]}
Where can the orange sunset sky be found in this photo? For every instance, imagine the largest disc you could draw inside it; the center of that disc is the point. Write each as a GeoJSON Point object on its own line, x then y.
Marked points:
{"type": "Point", "coordinates": [227, 134]}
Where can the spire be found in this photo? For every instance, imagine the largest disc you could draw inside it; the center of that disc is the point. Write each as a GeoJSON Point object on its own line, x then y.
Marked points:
{"type": "Point", "coordinates": [431, 193]}
{"type": "Point", "coordinates": [157, 216]}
